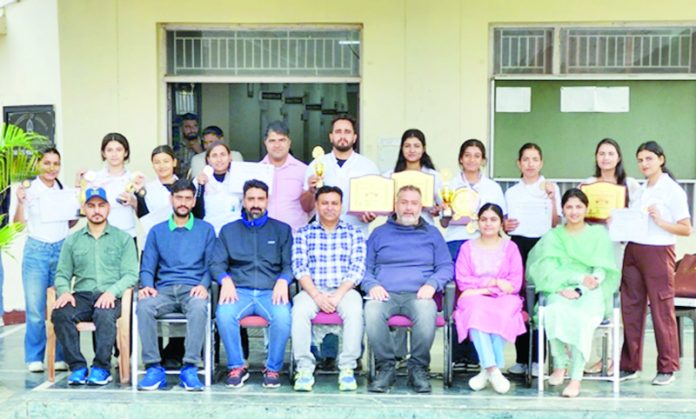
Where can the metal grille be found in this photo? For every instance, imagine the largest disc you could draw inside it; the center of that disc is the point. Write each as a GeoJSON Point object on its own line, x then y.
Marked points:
{"type": "Point", "coordinates": [627, 50]}
{"type": "Point", "coordinates": [264, 52]}
{"type": "Point", "coordinates": [523, 51]}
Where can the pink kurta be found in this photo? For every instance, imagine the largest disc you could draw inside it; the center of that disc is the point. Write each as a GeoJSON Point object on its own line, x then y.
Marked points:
{"type": "Point", "coordinates": [498, 313]}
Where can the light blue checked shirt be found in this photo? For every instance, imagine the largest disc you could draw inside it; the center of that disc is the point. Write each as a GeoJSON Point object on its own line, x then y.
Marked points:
{"type": "Point", "coordinates": [329, 257]}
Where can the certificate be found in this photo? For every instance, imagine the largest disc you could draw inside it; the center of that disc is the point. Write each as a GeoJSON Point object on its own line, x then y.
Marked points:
{"type": "Point", "coordinates": [604, 197]}
{"type": "Point", "coordinates": [534, 214]}
{"type": "Point", "coordinates": [423, 181]}
{"type": "Point", "coordinates": [155, 217]}
{"type": "Point", "coordinates": [240, 172]}
{"type": "Point", "coordinates": [465, 205]}
{"type": "Point", "coordinates": [371, 193]}
{"type": "Point", "coordinates": [59, 205]}
{"type": "Point", "coordinates": [628, 225]}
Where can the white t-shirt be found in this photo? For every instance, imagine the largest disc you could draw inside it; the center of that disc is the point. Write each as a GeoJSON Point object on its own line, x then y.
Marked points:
{"type": "Point", "coordinates": [158, 204]}
{"type": "Point", "coordinates": [334, 175]}
{"type": "Point", "coordinates": [532, 195]}
{"type": "Point", "coordinates": [425, 213]}
{"type": "Point", "coordinates": [47, 232]}
{"type": "Point", "coordinates": [120, 216]}
{"type": "Point", "coordinates": [198, 162]}
{"type": "Point", "coordinates": [672, 203]}
{"type": "Point", "coordinates": [221, 205]}
{"type": "Point", "coordinates": [488, 190]}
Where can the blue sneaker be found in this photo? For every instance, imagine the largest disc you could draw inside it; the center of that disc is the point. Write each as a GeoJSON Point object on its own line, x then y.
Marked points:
{"type": "Point", "coordinates": [98, 377]}
{"type": "Point", "coordinates": [188, 379]}
{"type": "Point", "coordinates": [78, 377]}
{"type": "Point", "coordinates": [155, 378]}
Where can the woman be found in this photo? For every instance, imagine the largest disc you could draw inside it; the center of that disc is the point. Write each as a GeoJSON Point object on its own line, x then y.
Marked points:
{"type": "Point", "coordinates": [472, 158]}
{"type": "Point", "coordinates": [154, 205]}
{"type": "Point", "coordinates": [215, 202]}
{"type": "Point", "coordinates": [609, 168]}
{"type": "Point", "coordinates": [413, 156]}
{"type": "Point", "coordinates": [489, 310]}
{"type": "Point", "coordinates": [648, 267]}
{"type": "Point", "coordinates": [534, 205]}
{"type": "Point", "coordinates": [115, 179]}
{"type": "Point", "coordinates": [573, 266]}
{"type": "Point", "coordinates": [41, 252]}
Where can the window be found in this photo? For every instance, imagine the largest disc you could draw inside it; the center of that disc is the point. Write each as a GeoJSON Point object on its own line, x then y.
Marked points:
{"type": "Point", "coordinates": [267, 52]}
{"type": "Point", "coordinates": [523, 51]}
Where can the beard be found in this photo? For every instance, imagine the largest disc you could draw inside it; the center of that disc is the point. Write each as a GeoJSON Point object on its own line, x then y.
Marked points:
{"type": "Point", "coordinates": [182, 212]}
{"type": "Point", "coordinates": [191, 136]}
{"type": "Point", "coordinates": [408, 220]}
{"type": "Point", "coordinates": [343, 148]}
{"type": "Point", "coordinates": [255, 213]}
{"type": "Point", "coordinates": [98, 220]}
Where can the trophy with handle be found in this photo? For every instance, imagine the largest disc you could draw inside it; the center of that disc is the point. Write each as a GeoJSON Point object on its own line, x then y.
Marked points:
{"type": "Point", "coordinates": [446, 193]}
{"type": "Point", "coordinates": [317, 155]}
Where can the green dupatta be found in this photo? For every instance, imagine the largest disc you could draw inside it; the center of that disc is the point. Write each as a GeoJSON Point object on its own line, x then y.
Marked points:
{"type": "Point", "coordinates": [548, 268]}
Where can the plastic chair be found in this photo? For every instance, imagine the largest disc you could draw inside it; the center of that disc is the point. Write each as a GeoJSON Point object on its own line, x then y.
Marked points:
{"type": "Point", "coordinates": [443, 320]}
{"type": "Point", "coordinates": [608, 326]}
{"type": "Point", "coordinates": [122, 335]}
{"type": "Point", "coordinates": [169, 320]}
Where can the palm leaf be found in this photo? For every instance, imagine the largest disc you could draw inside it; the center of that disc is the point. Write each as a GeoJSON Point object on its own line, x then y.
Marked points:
{"type": "Point", "coordinates": [18, 157]}
{"type": "Point", "coordinates": [9, 233]}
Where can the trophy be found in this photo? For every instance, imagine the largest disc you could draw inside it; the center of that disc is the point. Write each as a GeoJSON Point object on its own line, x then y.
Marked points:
{"type": "Point", "coordinates": [446, 193]}
{"type": "Point", "coordinates": [133, 187]}
{"type": "Point", "coordinates": [317, 154]}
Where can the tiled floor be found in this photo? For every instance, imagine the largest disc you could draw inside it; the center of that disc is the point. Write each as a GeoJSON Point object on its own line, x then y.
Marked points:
{"type": "Point", "coordinates": [27, 395]}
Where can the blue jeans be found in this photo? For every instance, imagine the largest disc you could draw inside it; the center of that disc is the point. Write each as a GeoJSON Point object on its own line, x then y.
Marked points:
{"type": "Point", "coordinates": [489, 347]}
{"type": "Point", "coordinates": [38, 273]}
{"type": "Point", "coordinates": [256, 302]}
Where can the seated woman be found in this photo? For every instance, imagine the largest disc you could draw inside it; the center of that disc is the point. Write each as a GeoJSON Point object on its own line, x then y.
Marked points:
{"type": "Point", "coordinates": [489, 310]}
{"type": "Point", "coordinates": [574, 267]}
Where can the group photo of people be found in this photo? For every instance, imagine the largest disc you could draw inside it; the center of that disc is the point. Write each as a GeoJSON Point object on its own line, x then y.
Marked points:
{"type": "Point", "coordinates": [287, 246]}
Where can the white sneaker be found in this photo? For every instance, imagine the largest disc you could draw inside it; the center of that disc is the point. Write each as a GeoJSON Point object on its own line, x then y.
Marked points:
{"type": "Point", "coordinates": [61, 366]}
{"type": "Point", "coordinates": [518, 369]}
{"type": "Point", "coordinates": [535, 369]}
{"type": "Point", "coordinates": [35, 366]}
{"type": "Point", "coordinates": [479, 381]}
{"type": "Point", "coordinates": [499, 382]}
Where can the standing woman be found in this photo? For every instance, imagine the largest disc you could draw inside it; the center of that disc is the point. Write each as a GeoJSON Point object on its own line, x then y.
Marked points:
{"type": "Point", "coordinates": [413, 156]}
{"type": "Point", "coordinates": [158, 190]}
{"type": "Point", "coordinates": [114, 178]}
{"type": "Point", "coordinates": [472, 158]}
{"type": "Point", "coordinates": [535, 192]}
{"type": "Point", "coordinates": [648, 268]}
{"type": "Point", "coordinates": [215, 203]}
{"type": "Point", "coordinates": [489, 309]}
{"type": "Point", "coordinates": [573, 266]}
{"type": "Point", "coordinates": [609, 168]}
{"type": "Point", "coordinates": [40, 259]}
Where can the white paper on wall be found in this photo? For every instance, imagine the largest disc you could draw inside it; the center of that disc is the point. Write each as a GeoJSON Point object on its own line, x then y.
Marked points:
{"type": "Point", "coordinates": [595, 99]}
{"type": "Point", "coordinates": [513, 99]}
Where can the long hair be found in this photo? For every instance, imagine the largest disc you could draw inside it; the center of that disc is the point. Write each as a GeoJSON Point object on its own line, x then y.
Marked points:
{"type": "Point", "coordinates": [655, 148]}
{"type": "Point", "coordinates": [425, 160]}
{"type": "Point", "coordinates": [619, 172]}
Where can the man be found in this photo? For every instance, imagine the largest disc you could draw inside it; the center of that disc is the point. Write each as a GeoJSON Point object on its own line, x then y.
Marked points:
{"type": "Point", "coordinates": [210, 136]}
{"type": "Point", "coordinates": [288, 179]}
{"type": "Point", "coordinates": [252, 263]}
{"type": "Point", "coordinates": [342, 164]}
{"type": "Point", "coordinates": [328, 257]}
{"type": "Point", "coordinates": [103, 261]}
{"type": "Point", "coordinates": [188, 145]}
{"type": "Point", "coordinates": [174, 278]}
{"type": "Point", "coordinates": [407, 262]}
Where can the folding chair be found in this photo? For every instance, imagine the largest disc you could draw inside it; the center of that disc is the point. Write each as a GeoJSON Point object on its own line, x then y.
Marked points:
{"type": "Point", "coordinates": [611, 326]}
{"type": "Point", "coordinates": [122, 335]}
{"type": "Point", "coordinates": [170, 320]}
{"type": "Point", "coordinates": [443, 320]}
{"type": "Point", "coordinates": [258, 322]}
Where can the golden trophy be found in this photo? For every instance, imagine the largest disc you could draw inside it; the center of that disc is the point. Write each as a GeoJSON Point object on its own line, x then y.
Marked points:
{"type": "Point", "coordinates": [134, 186]}
{"type": "Point", "coordinates": [446, 193]}
{"type": "Point", "coordinates": [317, 155]}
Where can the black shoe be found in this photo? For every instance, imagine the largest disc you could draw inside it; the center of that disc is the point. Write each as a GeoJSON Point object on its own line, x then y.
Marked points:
{"type": "Point", "coordinates": [328, 364]}
{"type": "Point", "coordinates": [419, 380]}
{"type": "Point", "coordinates": [384, 379]}
{"type": "Point", "coordinates": [171, 364]}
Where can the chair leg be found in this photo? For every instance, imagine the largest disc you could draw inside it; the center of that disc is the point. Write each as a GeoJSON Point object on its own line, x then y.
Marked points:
{"type": "Point", "coordinates": [50, 351]}
{"type": "Point", "coordinates": [135, 357]}
{"type": "Point", "coordinates": [540, 349]}
{"type": "Point", "coordinates": [207, 362]}
{"type": "Point", "coordinates": [447, 355]}
{"type": "Point", "coordinates": [616, 350]}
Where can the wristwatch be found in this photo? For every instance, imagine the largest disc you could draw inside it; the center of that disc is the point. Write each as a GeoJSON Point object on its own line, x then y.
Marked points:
{"type": "Point", "coordinates": [579, 291]}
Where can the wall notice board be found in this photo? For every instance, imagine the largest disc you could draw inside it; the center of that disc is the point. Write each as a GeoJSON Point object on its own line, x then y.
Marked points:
{"type": "Point", "coordinates": [664, 111]}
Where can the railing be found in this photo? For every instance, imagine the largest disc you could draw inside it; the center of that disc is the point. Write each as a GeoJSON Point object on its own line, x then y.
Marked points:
{"type": "Point", "coordinates": [564, 184]}
{"type": "Point", "coordinates": [523, 51]}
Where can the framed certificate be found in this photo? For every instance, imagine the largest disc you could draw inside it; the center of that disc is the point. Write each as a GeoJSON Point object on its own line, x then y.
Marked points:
{"type": "Point", "coordinates": [423, 181]}
{"type": "Point", "coordinates": [371, 193]}
{"type": "Point", "coordinates": [603, 197]}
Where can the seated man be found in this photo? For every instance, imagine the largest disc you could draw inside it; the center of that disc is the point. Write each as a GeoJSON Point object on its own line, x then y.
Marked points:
{"type": "Point", "coordinates": [252, 263]}
{"type": "Point", "coordinates": [103, 261]}
{"type": "Point", "coordinates": [407, 262]}
{"type": "Point", "coordinates": [328, 258]}
{"type": "Point", "coordinates": [174, 278]}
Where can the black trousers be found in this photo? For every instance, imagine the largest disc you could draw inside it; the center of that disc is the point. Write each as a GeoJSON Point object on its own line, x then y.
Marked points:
{"type": "Point", "coordinates": [525, 245]}
{"type": "Point", "coordinates": [64, 321]}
